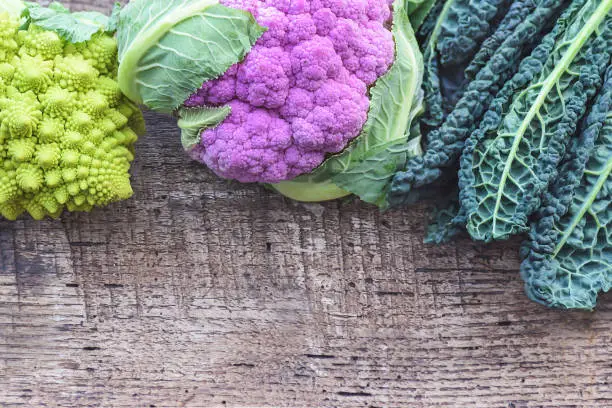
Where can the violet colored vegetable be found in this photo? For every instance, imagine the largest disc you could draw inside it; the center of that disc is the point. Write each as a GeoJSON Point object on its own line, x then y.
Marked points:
{"type": "Point", "coordinates": [302, 91]}
{"type": "Point", "coordinates": [316, 98]}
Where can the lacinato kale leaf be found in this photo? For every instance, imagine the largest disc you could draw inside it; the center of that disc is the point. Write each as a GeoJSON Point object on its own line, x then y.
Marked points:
{"type": "Point", "coordinates": [445, 143]}
{"type": "Point", "coordinates": [447, 221]}
{"type": "Point", "coordinates": [459, 29]}
{"type": "Point", "coordinates": [468, 24]}
{"type": "Point", "coordinates": [568, 257]}
{"type": "Point", "coordinates": [510, 160]}
{"type": "Point", "coordinates": [430, 22]}
{"type": "Point", "coordinates": [434, 114]}
{"type": "Point", "coordinates": [516, 14]}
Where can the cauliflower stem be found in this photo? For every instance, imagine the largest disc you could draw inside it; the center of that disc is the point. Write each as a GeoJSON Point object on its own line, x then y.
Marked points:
{"type": "Point", "coordinates": [308, 190]}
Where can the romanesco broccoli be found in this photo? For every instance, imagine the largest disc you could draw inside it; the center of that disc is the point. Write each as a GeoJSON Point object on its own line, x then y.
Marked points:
{"type": "Point", "coordinates": [67, 133]}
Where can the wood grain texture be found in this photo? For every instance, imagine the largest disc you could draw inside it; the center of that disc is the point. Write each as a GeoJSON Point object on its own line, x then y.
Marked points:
{"type": "Point", "coordinates": [202, 293]}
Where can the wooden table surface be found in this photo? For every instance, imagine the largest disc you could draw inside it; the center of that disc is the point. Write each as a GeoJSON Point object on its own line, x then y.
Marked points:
{"type": "Point", "coordinates": [201, 293]}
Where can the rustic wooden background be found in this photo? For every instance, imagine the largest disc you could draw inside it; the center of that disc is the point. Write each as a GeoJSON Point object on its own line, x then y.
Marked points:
{"type": "Point", "coordinates": [198, 293]}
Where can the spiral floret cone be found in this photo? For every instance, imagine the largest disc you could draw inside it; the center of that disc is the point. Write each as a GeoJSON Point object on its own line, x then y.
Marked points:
{"type": "Point", "coordinates": [67, 134]}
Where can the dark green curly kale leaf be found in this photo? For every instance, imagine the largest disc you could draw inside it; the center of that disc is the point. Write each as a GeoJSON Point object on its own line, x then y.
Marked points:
{"type": "Point", "coordinates": [431, 80]}
{"type": "Point", "coordinates": [468, 24]}
{"type": "Point", "coordinates": [568, 257]}
{"type": "Point", "coordinates": [454, 37]}
{"type": "Point", "coordinates": [509, 161]}
{"type": "Point", "coordinates": [446, 141]}
{"type": "Point", "coordinates": [430, 22]}
{"type": "Point", "coordinates": [490, 46]}
{"type": "Point", "coordinates": [447, 221]}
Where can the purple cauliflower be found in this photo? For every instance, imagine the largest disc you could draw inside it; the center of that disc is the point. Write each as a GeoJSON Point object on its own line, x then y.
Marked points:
{"type": "Point", "coordinates": [301, 93]}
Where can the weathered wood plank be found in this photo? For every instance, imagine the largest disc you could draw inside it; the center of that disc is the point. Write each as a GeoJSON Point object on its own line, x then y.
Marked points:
{"type": "Point", "coordinates": [202, 293]}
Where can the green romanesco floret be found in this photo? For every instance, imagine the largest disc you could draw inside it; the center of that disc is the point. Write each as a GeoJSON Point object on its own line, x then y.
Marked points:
{"type": "Point", "coordinates": [8, 40]}
{"type": "Point", "coordinates": [100, 52]}
{"type": "Point", "coordinates": [67, 133]}
{"type": "Point", "coordinates": [38, 42]}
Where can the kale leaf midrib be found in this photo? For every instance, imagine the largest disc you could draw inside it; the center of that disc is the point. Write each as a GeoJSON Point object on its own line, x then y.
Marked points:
{"type": "Point", "coordinates": [562, 66]}
{"type": "Point", "coordinates": [601, 181]}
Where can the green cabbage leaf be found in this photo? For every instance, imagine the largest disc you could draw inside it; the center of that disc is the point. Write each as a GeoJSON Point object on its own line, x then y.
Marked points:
{"type": "Point", "coordinates": [13, 7]}
{"type": "Point", "coordinates": [168, 48]}
{"type": "Point", "coordinates": [418, 10]}
{"type": "Point", "coordinates": [74, 27]}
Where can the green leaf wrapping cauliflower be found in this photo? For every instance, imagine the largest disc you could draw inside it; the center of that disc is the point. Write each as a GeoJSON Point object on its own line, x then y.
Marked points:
{"type": "Point", "coordinates": [67, 133]}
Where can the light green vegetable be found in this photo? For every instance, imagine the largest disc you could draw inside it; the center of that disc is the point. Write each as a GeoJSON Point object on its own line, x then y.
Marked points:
{"type": "Point", "coordinates": [191, 122]}
{"type": "Point", "coordinates": [13, 7]}
{"type": "Point", "coordinates": [168, 48]}
{"type": "Point", "coordinates": [73, 27]}
{"type": "Point", "coordinates": [67, 133]}
{"type": "Point", "coordinates": [418, 10]}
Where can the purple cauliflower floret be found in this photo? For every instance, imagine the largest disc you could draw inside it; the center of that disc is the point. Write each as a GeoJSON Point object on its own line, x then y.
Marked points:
{"type": "Point", "coordinates": [302, 91]}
